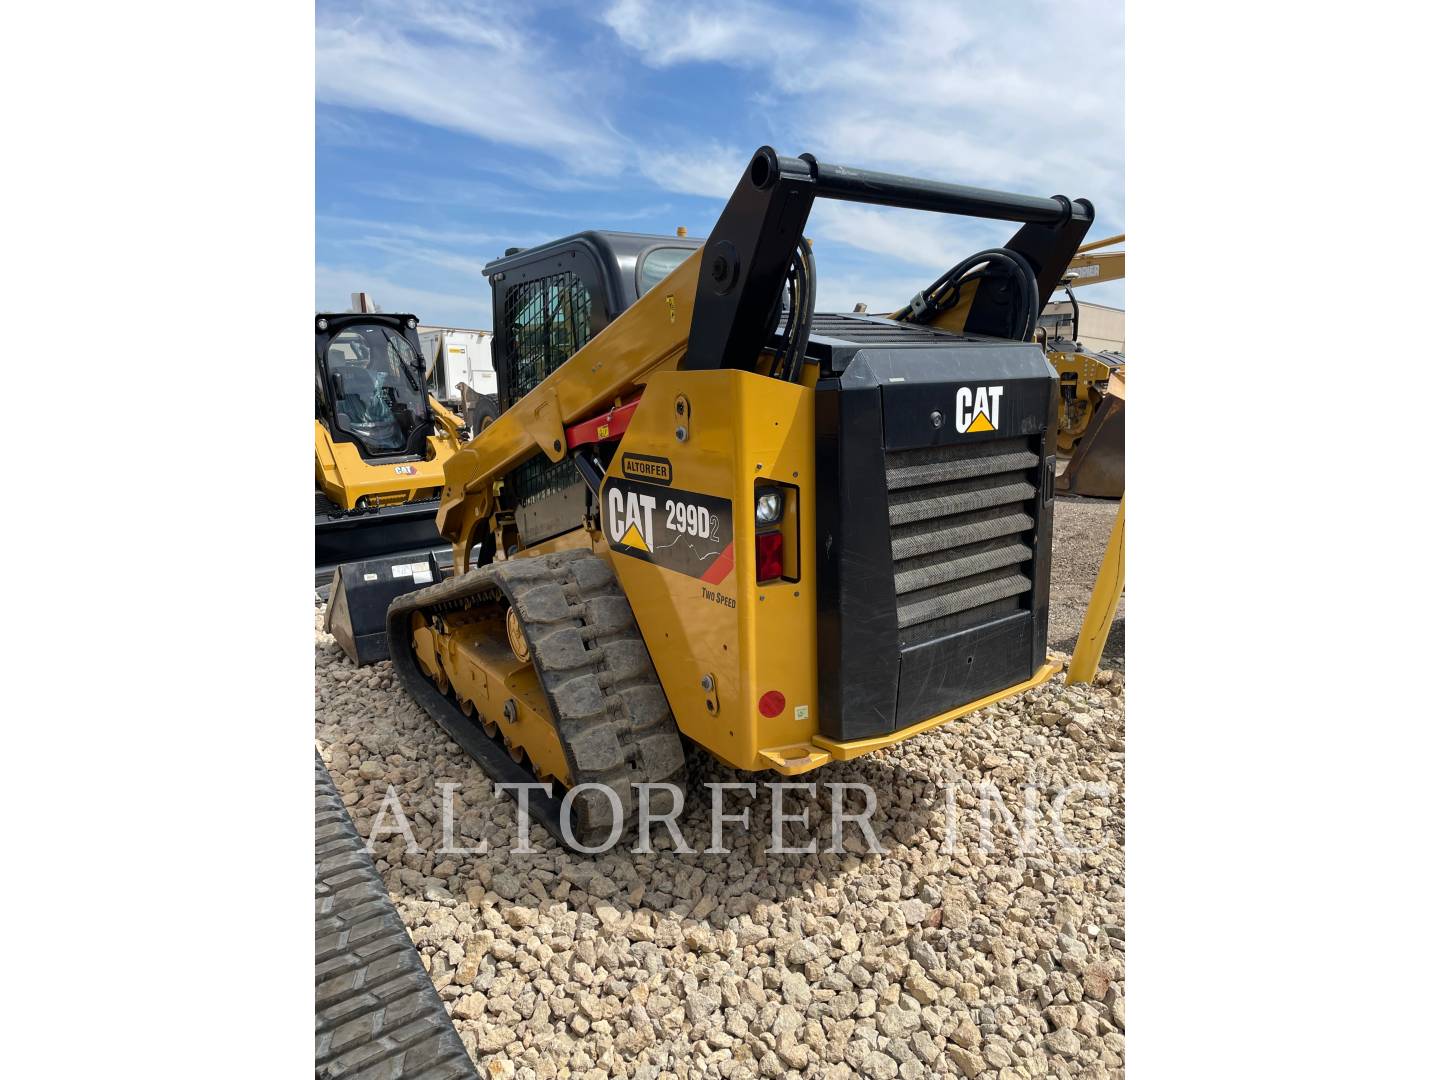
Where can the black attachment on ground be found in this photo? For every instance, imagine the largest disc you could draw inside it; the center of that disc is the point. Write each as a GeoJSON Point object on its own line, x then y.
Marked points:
{"type": "Point", "coordinates": [361, 592]}
{"type": "Point", "coordinates": [403, 533]}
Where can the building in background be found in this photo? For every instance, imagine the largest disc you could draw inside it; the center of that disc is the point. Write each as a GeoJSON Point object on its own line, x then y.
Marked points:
{"type": "Point", "coordinates": [1102, 329]}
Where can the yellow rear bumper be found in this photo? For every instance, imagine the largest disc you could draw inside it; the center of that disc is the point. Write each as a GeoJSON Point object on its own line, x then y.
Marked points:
{"type": "Point", "coordinates": [802, 757]}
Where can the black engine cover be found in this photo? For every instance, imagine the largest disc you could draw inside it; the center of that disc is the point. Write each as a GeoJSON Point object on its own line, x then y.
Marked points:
{"type": "Point", "coordinates": [936, 594]}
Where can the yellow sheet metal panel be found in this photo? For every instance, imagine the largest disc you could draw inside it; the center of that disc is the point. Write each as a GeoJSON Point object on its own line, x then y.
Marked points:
{"type": "Point", "coordinates": [677, 512]}
{"type": "Point", "coordinates": [576, 539]}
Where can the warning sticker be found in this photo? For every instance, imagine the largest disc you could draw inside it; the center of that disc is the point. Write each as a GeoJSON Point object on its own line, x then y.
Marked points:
{"type": "Point", "coordinates": [683, 531]}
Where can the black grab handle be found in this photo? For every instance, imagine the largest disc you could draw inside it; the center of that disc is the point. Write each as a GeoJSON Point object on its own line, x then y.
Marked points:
{"type": "Point", "coordinates": [747, 254]}
{"type": "Point", "coordinates": [890, 189]}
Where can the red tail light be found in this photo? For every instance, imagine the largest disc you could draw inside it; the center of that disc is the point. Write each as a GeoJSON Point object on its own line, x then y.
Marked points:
{"type": "Point", "coordinates": [769, 556]}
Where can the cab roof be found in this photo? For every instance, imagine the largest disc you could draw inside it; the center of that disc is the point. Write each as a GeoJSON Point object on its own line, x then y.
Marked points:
{"type": "Point", "coordinates": [617, 253]}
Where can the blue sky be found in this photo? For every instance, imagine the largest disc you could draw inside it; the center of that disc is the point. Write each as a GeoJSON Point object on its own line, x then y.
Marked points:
{"type": "Point", "coordinates": [449, 131]}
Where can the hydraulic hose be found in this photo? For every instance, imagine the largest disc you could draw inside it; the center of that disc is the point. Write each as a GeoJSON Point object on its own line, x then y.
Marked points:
{"type": "Point", "coordinates": [789, 359]}
{"type": "Point", "coordinates": [804, 304]}
{"type": "Point", "coordinates": [943, 295]}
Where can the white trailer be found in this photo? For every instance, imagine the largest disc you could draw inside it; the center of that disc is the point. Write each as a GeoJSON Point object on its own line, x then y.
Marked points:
{"type": "Point", "coordinates": [454, 356]}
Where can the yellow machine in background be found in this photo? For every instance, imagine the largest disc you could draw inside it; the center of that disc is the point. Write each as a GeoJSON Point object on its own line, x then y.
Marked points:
{"type": "Point", "coordinates": [710, 516]}
{"type": "Point", "coordinates": [350, 482]}
{"type": "Point", "coordinates": [1104, 602]}
{"type": "Point", "coordinates": [381, 441]}
{"type": "Point", "coordinates": [1092, 266]}
{"type": "Point", "coordinates": [1091, 425]}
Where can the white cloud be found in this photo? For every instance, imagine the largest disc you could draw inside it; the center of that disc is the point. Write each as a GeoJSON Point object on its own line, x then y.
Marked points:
{"type": "Point", "coordinates": [666, 33]}
{"type": "Point", "coordinates": [920, 239]}
{"type": "Point", "coordinates": [1022, 96]}
{"type": "Point", "coordinates": [355, 228]}
{"type": "Point", "coordinates": [468, 68]}
{"type": "Point", "coordinates": [410, 251]}
{"type": "Point", "coordinates": [1019, 96]}
{"type": "Point", "coordinates": [334, 284]}
{"type": "Point", "coordinates": [707, 169]}
{"type": "Point", "coordinates": [882, 293]}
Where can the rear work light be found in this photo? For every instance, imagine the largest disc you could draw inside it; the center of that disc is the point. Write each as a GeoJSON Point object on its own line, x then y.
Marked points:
{"type": "Point", "coordinates": [769, 556]}
{"type": "Point", "coordinates": [769, 505]}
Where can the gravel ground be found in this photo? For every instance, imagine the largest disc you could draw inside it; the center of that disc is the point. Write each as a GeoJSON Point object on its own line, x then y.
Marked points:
{"type": "Point", "coordinates": [1082, 529]}
{"type": "Point", "coordinates": [1002, 960]}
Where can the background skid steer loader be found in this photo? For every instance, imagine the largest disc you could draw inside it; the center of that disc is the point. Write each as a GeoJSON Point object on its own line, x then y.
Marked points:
{"type": "Point", "coordinates": [709, 514]}
{"type": "Point", "coordinates": [381, 443]}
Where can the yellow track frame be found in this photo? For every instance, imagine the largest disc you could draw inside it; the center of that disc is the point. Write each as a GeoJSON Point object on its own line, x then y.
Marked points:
{"type": "Point", "coordinates": [474, 659]}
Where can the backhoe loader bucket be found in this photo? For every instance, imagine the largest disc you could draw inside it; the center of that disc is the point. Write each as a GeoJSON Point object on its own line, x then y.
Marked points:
{"type": "Point", "coordinates": [1097, 468]}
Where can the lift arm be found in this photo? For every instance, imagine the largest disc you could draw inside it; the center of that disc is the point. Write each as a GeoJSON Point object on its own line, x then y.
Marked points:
{"type": "Point", "coordinates": [1087, 268]}
{"type": "Point", "coordinates": [446, 421]}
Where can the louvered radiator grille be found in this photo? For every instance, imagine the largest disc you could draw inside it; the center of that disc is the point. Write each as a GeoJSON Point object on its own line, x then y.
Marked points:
{"type": "Point", "coordinates": [961, 533]}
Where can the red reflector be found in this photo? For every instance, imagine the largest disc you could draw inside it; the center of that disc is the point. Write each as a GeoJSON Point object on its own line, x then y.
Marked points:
{"type": "Point", "coordinates": [769, 556]}
{"type": "Point", "coordinates": [772, 703]}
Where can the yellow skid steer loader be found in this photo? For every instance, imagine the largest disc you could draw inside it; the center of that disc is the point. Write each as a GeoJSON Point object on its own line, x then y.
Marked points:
{"type": "Point", "coordinates": [381, 442]}
{"type": "Point", "coordinates": [710, 515]}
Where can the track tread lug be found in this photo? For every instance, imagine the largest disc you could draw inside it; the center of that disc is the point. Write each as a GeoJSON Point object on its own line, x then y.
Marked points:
{"type": "Point", "coordinates": [565, 650]}
{"type": "Point", "coordinates": [605, 696]}
{"type": "Point", "coordinates": [545, 603]}
{"type": "Point", "coordinates": [627, 659]}
{"type": "Point", "coordinates": [610, 615]}
{"type": "Point", "coordinates": [376, 1010]}
{"type": "Point", "coordinates": [580, 700]}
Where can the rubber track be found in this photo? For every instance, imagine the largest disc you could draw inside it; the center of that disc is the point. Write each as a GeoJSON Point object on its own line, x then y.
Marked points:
{"type": "Point", "coordinates": [614, 721]}
{"type": "Point", "coordinates": [377, 1015]}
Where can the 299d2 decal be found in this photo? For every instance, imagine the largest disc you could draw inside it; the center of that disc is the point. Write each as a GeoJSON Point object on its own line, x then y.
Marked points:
{"type": "Point", "coordinates": [683, 531]}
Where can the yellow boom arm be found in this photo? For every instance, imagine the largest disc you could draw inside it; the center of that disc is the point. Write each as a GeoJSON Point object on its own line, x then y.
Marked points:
{"type": "Point", "coordinates": [651, 335]}
{"type": "Point", "coordinates": [1087, 268]}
